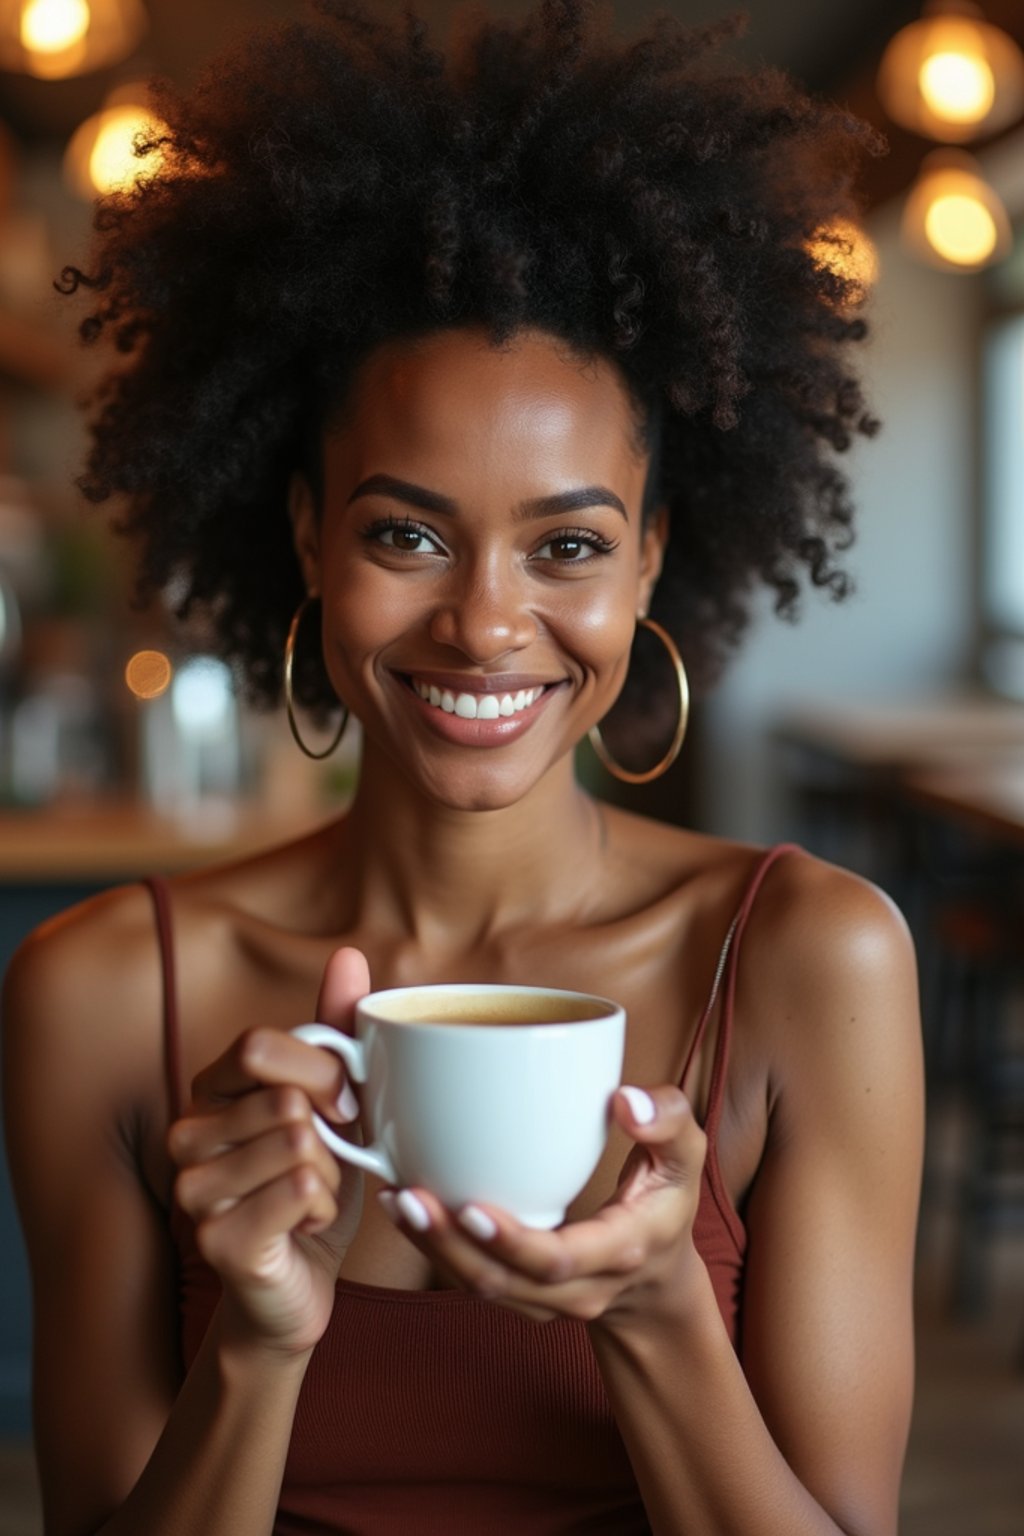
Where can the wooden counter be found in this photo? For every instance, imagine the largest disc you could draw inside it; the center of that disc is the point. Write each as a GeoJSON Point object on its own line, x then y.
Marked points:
{"type": "Point", "coordinates": [104, 842]}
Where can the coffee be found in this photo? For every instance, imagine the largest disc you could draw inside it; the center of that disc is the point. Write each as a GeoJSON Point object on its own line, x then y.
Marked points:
{"type": "Point", "coordinates": [481, 1008]}
{"type": "Point", "coordinates": [515, 1116]}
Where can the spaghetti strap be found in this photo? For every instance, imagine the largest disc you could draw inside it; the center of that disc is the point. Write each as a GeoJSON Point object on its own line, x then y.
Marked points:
{"type": "Point", "coordinates": [727, 968]}
{"type": "Point", "coordinates": [160, 893]}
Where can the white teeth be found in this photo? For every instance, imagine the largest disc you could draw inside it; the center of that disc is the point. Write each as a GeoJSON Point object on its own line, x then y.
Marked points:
{"type": "Point", "coordinates": [477, 706]}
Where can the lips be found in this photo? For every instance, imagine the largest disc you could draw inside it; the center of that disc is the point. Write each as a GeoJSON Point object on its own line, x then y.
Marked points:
{"type": "Point", "coordinates": [476, 706]}
{"type": "Point", "coordinates": [479, 710]}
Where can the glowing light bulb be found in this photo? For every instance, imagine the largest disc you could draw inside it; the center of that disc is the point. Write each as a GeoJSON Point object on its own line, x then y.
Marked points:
{"type": "Point", "coordinates": [959, 87]}
{"type": "Point", "coordinates": [51, 26]}
{"type": "Point", "coordinates": [952, 218]}
{"type": "Point", "coordinates": [148, 674]}
{"type": "Point", "coordinates": [112, 160]}
{"type": "Point", "coordinates": [961, 229]}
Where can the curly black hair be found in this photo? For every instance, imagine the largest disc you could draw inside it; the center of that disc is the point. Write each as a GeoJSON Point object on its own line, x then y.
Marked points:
{"type": "Point", "coordinates": [337, 181]}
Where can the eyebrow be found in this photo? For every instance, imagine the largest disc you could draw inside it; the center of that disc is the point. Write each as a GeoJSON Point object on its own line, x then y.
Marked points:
{"type": "Point", "coordinates": [539, 506]}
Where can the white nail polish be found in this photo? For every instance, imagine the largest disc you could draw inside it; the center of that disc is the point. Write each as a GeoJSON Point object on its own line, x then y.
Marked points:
{"type": "Point", "coordinates": [348, 1104]}
{"type": "Point", "coordinates": [413, 1209]}
{"type": "Point", "coordinates": [477, 1223]}
{"type": "Point", "coordinates": [641, 1104]}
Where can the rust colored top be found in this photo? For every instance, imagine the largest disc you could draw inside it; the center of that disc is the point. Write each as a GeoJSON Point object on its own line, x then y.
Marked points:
{"type": "Point", "coordinates": [427, 1413]}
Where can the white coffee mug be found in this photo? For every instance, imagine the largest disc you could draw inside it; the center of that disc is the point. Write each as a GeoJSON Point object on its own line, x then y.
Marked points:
{"type": "Point", "coordinates": [499, 1094]}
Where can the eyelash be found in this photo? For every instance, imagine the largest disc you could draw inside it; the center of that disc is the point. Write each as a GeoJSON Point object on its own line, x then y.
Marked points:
{"type": "Point", "coordinates": [595, 541]}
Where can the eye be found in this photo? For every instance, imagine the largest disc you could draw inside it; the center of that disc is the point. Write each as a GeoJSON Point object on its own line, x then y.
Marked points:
{"type": "Point", "coordinates": [574, 546]}
{"type": "Point", "coordinates": [403, 535]}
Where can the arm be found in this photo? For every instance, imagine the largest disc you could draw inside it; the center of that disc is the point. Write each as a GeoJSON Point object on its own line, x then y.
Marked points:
{"type": "Point", "coordinates": [805, 1436]}
{"type": "Point", "coordinates": [809, 1436]}
{"type": "Point", "coordinates": [125, 1444]}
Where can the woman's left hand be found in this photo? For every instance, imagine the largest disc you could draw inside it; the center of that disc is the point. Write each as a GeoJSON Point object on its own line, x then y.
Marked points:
{"type": "Point", "coordinates": [634, 1252]}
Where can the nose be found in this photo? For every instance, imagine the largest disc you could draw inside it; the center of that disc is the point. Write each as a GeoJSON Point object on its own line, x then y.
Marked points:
{"type": "Point", "coordinates": [485, 617]}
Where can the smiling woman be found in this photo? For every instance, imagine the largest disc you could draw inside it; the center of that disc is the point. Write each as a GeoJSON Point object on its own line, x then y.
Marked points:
{"type": "Point", "coordinates": [476, 362]}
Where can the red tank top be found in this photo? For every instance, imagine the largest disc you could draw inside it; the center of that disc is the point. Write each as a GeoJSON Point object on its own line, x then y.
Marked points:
{"type": "Point", "coordinates": [434, 1413]}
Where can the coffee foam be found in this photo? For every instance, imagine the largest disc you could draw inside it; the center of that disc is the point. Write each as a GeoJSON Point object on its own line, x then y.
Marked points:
{"type": "Point", "coordinates": [484, 1008]}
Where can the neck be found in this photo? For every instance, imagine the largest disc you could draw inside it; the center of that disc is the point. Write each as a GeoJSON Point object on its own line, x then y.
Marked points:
{"type": "Point", "coordinates": [456, 878]}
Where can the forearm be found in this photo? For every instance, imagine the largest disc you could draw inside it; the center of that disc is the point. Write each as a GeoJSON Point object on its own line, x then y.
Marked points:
{"type": "Point", "coordinates": [701, 1452]}
{"type": "Point", "coordinates": [217, 1468]}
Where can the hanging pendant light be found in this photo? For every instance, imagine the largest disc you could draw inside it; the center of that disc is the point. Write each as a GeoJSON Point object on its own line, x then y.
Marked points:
{"type": "Point", "coordinates": [100, 156]}
{"type": "Point", "coordinates": [52, 39]}
{"type": "Point", "coordinates": [952, 76]}
{"type": "Point", "coordinates": [952, 218]}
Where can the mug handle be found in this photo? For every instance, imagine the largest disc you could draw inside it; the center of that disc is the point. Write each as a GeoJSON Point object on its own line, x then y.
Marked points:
{"type": "Point", "coordinates": [374, 1159]}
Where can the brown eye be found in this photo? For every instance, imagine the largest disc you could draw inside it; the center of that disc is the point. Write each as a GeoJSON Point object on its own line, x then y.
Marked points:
{"type": "Point", "coordinates": [406, 538]}
{"type": "Point", "coordinates": [566, 549]}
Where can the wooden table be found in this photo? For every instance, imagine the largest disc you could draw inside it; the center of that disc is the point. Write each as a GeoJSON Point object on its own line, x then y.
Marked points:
{"type": "Point", "coordinates": [884, 738]}
{"type": "Point", "coordinates": [985, 796]}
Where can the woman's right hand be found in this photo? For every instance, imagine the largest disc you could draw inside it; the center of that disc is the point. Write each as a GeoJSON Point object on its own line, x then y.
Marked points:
{"type": "Point", "coordinates": [273, 1211]}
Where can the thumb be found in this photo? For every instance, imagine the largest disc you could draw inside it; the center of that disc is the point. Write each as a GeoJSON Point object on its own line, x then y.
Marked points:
{"type": "Point", "coordinates": [345, 980]}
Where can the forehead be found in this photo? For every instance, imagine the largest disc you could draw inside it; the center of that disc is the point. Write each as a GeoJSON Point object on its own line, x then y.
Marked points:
{"type": "Point", "coordinates": [452, 399]}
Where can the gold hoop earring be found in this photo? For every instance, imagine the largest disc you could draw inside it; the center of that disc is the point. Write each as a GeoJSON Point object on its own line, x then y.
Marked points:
{"type": "Point", "coordinates": [594, 734]}
{"type": "Point", "coordinates": [289, 657]}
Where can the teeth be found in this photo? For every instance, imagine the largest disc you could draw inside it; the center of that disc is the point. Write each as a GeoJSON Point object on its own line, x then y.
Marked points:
{"type": "Point", "coordinates": [477, 706]}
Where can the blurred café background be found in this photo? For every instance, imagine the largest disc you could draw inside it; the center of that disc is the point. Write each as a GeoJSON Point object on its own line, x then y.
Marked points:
{"type": "Point", "coordinates": [886, 733]}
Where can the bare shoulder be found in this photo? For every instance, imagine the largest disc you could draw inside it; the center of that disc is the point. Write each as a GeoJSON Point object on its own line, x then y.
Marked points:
{"type": "Point", "coordinates": [829, 971]}
{"type": "Point", "coordinates": [815, 924]}
{"type": "Point", "coordinates": [90, 978]}
{"type": "Point", "coordinates": [81, 969]}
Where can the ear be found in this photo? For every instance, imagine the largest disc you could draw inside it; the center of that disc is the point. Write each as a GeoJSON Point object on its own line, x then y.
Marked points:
{"type": "Point", "coordinates": [653, 543]}
{"type": "Point", "coordinates": [302, 512]}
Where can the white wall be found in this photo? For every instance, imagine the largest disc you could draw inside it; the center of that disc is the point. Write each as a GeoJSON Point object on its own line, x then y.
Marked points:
{"type": "Point", "coordinates": [906, 633]}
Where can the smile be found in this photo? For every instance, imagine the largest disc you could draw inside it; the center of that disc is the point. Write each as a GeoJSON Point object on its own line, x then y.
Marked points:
{"type": "Point", "coordinates": [477, 706]}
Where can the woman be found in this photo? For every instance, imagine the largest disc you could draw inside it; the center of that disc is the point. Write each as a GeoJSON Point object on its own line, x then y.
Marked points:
{"type": "Point", "coordinates": [451, 374]}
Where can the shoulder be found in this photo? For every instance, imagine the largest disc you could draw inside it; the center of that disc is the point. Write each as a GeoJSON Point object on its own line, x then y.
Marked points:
{"type": "Point", "coordinates": [89, 958]}
{"type": "Point", "coordinates": [815, 925]}
{"type": "Point", "coordinates": [829, 972]}
{"type": "Point", "coordinates": [82, 994]}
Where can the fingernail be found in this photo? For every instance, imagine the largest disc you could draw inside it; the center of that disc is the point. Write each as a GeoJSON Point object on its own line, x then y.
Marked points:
{"type": "Point", "coordinates": [641, 1105]}
{"type": "Point", "coordinates": [477, 1223]}
{"type": "Point", "coordinates": [413, 1209]}
{"type": "Point", "coordinates": [388, 1203]}
{"type": "Point", "coordinates": [347, 1103]}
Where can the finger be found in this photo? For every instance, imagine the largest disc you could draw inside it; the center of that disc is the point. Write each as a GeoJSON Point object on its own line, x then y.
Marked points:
{"type": "Point", "coordinates": [212, 1187]}
{"type": "Point", "coordinates": [345, 980]}
{"type": "Point", "coordinates": [198, 1138]}
{"type": "Point", "coordinates": [267, 1057]}
{"type": "Point", "coordinates": [614, 1241]}
{"type": "Point", "coordinates": [480, 1271]}
{"type": "Point", "coordinates": [250, 1240]}
{"type": "Point", "coordinates": [661, 1120]}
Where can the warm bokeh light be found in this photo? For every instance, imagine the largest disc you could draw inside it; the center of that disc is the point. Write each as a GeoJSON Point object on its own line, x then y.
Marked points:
{"type": "Point", "coordinates": [48, 26]}
{"type": "Point", "coordinates": [100, 157]}
{"type": "Point", "coordinates": [958, 86]}
{"type": "Point", "coordinates": [113, 161]}
{"type": "Point", "coordinates": [953, 219]}
{"type": "Point", "coordinates": [961, 229]}
{"type": "Point", "coordinates": [57, 39]}
{"type": "Point", "coordinates": [148, 674]}
{"type": "Point", "coordinates": [952, 75]}
{"type": "Point", "coordinates": [847, 250]}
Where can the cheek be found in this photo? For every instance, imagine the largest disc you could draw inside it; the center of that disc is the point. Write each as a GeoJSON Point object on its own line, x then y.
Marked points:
{"type": "Point", "coordinates": [598, 622]}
